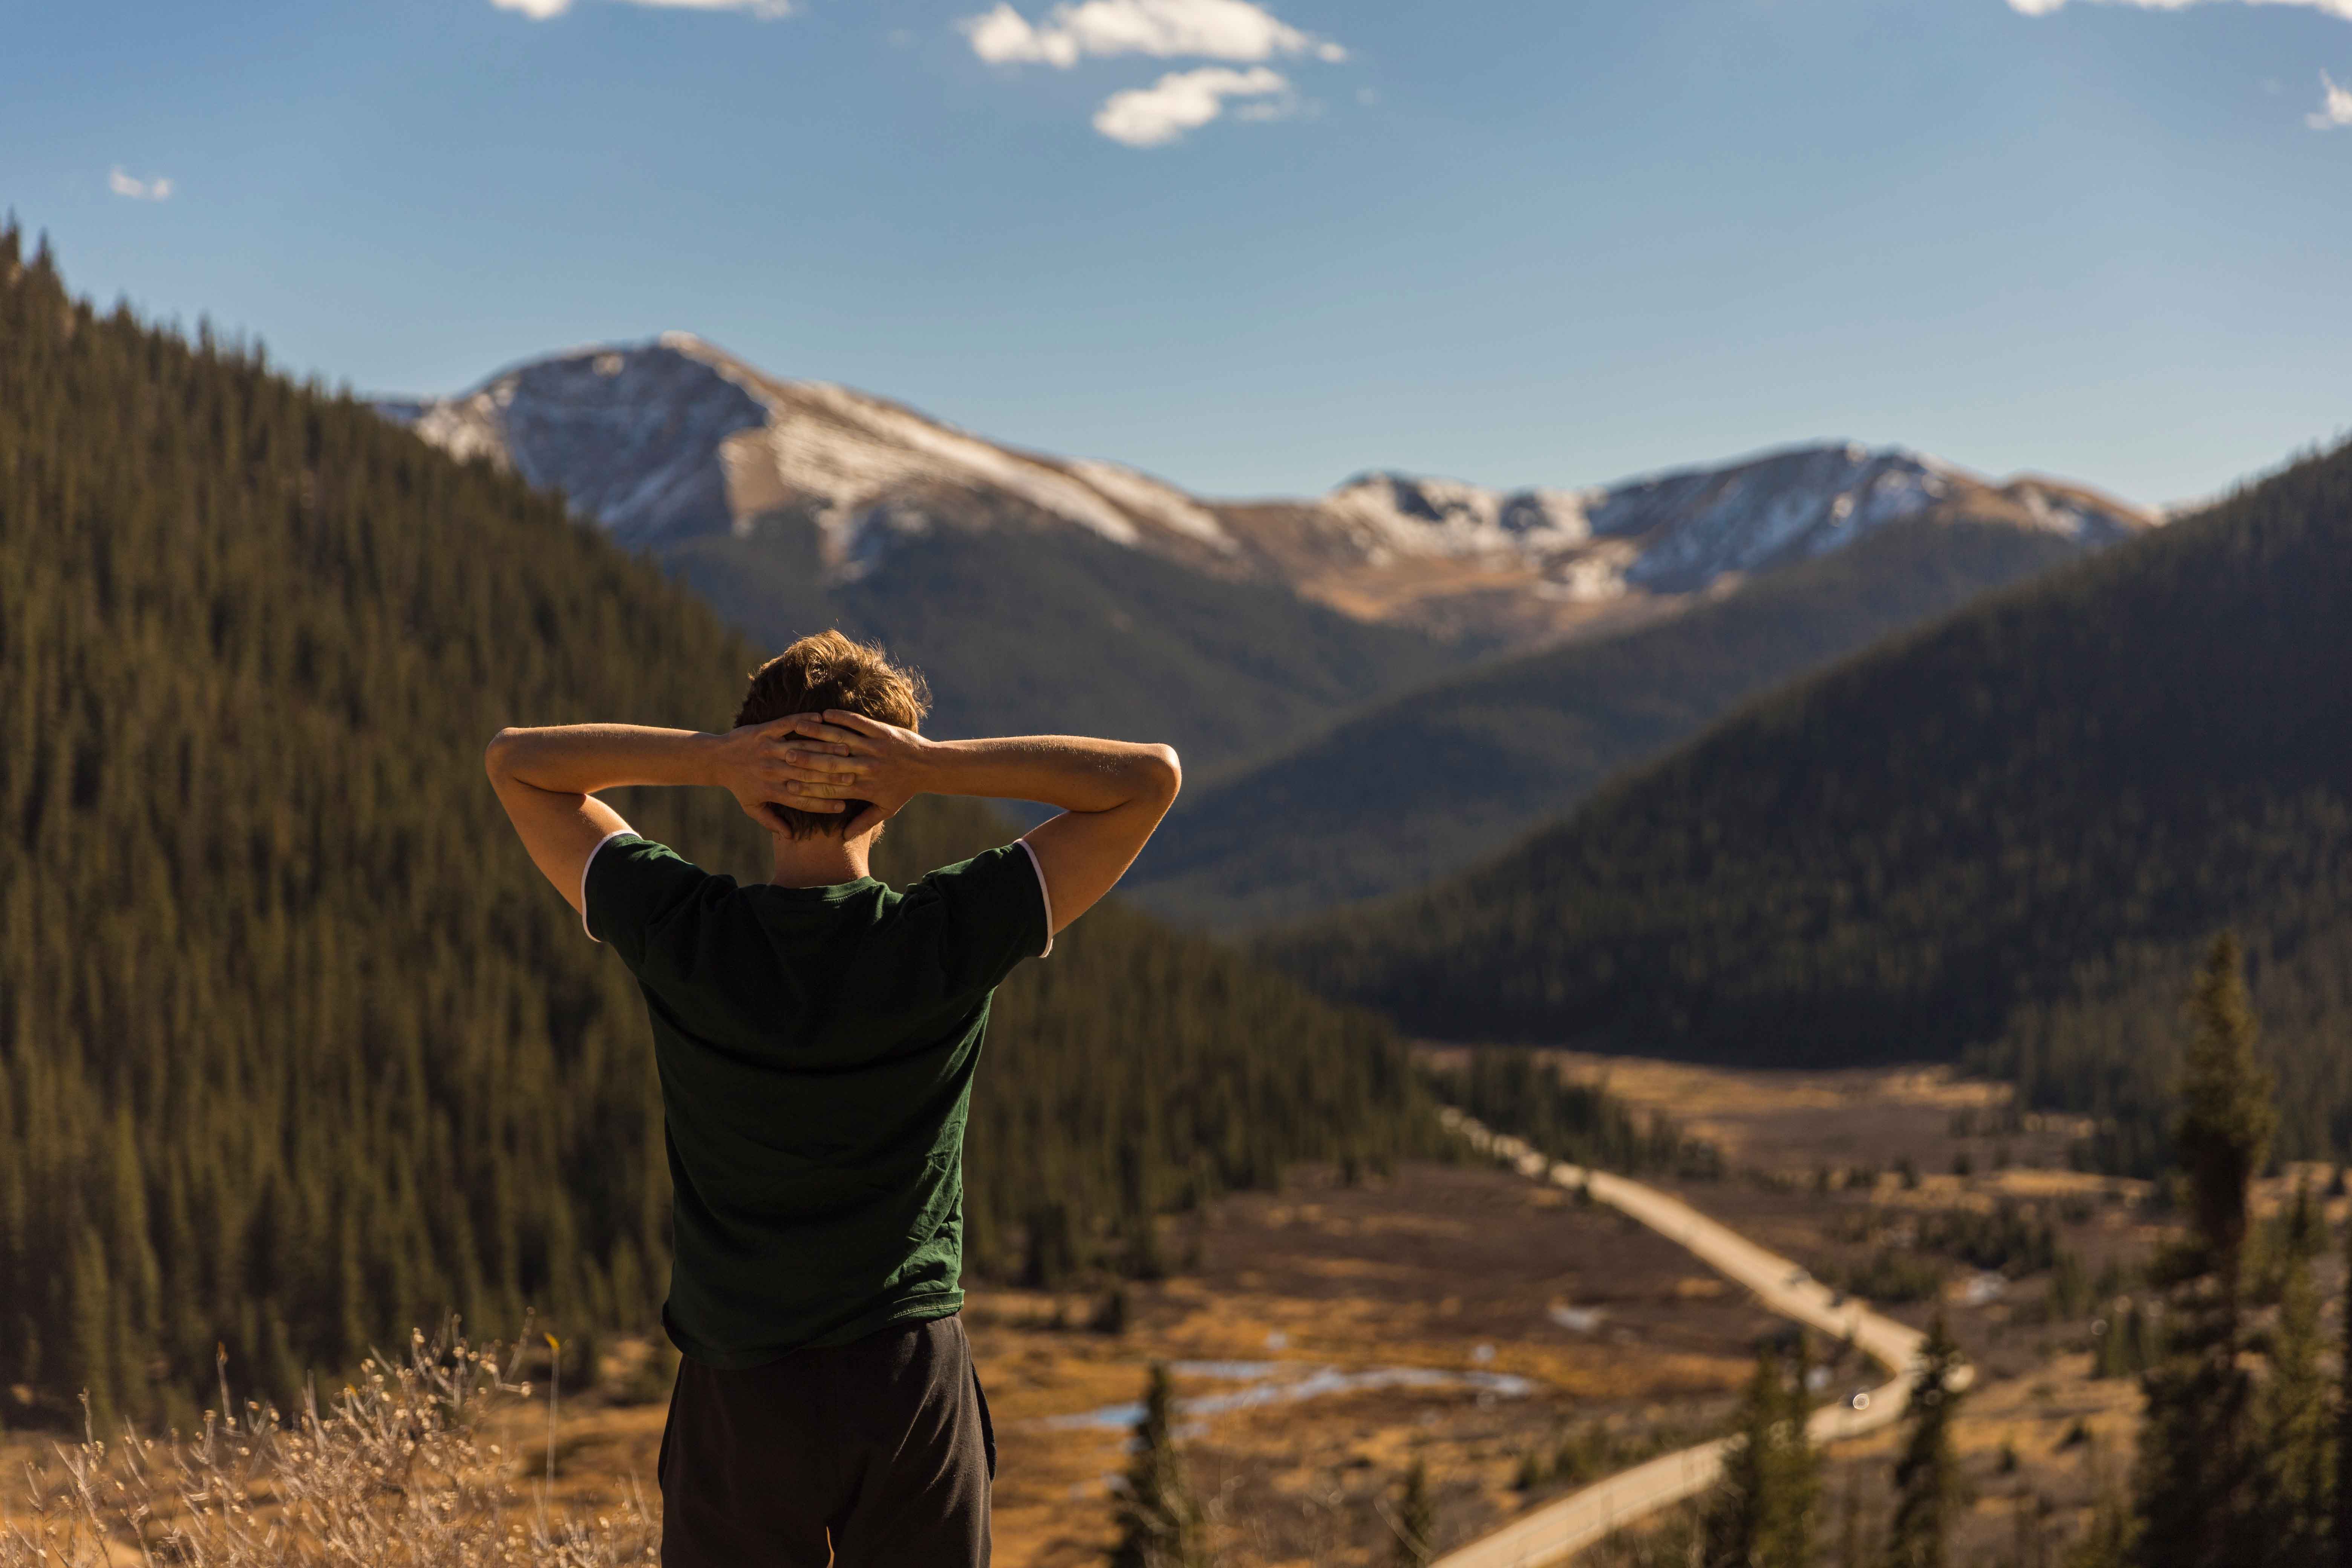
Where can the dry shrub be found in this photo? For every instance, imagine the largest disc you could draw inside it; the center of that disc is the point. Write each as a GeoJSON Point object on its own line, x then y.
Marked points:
{"type": "Point", "coordinates": [394, 1474]}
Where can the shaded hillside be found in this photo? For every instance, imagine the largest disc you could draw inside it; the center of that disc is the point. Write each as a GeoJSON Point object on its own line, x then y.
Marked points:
{"type": "Point", "coordinates": [1048, 631]}
{"type": "Point", "coordinates": [2010, 831]}
{"type": "Point", "coordinates": [1431, 782]}
{"type": "Point", "coordinates": [296, 1048]}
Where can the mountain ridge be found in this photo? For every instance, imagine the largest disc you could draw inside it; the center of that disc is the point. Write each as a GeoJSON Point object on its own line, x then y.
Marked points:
{"type": "Point", "coordinates": [1041, 592]}
{"type": "Point", "coordinates": [674, 437]}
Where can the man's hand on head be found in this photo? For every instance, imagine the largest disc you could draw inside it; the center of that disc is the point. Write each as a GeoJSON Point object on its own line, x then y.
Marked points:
{"type": "Point", "coordinates": [847, 756]}
{"type": "Point", "coordinates": [767, 765]}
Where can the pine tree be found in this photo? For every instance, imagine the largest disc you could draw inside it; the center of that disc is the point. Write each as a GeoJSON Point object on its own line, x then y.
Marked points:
{"type": "Point", "coordinates": [2296, 1444]}
{"type": "Point", "coordinates": [1159, 1522]}
{"type": "Point", "coordinates": [2306, 1231]}
{"type": "Point", "coordinates": [1927, 1476]}
{"type": "Point", "coordinates": [1416, 1521]}
{"type": "Point", "coordinates": [2029, 1532]}
{"type": "Point", "coordinates": [2341, 1555]}
{"type": "Point", "coordinates": [2198, 1474]}
{"type": "Point", "coordinates": [1762, 1513]}
{"type": "Point", "coordinates": [1852, 1550]}
{"type": "Point", "coordinates": [2108, 1543]}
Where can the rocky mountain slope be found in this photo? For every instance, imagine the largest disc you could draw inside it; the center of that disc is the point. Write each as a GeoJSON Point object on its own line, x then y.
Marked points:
{"type": "Point", "coordinates": [1041, 591]}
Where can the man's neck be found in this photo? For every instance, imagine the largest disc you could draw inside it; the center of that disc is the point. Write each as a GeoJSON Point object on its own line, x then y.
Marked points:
{"type": "Point", "coordinates": [821, 861]}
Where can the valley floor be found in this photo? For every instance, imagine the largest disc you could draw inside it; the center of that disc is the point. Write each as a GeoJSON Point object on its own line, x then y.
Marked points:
{"type": "Point", "coordinates": [1518, 1341]}
{"type": "Point", "coordinates": [1326, 1336]}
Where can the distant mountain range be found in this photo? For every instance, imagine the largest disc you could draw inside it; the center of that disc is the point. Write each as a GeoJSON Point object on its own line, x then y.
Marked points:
{"type": "Point", "coordinates": [2009, 833]}
{"type": "Point", "coordinates": [1040, 591]}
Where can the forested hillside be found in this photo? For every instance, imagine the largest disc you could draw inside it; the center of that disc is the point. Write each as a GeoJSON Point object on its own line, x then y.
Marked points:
{"type": "Point", "coordinates": [296, 1048]}
{"type": "Point", "coordinates": [1431, 782]}
{"type": "Point", "coordinates": [2009, 832]}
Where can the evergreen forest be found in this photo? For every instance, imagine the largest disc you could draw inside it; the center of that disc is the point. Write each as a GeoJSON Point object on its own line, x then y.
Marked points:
{"type": "Point", "coordinates": [296, 1048]}
{"type": "Point", "coordinates": [2004, 837]}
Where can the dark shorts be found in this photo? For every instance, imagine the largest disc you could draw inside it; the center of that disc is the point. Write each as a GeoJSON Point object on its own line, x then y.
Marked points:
{"type": "Point", "coordinates": [871, 1455]}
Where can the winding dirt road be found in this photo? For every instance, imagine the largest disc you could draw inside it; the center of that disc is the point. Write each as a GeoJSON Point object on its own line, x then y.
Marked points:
{"type": "Point", "coordinates": [1557, 1530]}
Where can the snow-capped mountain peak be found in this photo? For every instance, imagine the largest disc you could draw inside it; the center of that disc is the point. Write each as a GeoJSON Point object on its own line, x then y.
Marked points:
{"type": "Point", "coordinates": [1682, 531]}
{"type": "Point", "coordinates": [668, 440]}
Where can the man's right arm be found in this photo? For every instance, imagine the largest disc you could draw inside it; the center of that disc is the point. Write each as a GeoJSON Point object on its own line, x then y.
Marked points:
{"type": "Point", "coordinates": [1112, 793]}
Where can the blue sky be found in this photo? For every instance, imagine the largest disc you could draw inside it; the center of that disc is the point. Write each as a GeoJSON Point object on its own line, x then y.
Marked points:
{"type": "Point", "coordinates": [1256, 248]}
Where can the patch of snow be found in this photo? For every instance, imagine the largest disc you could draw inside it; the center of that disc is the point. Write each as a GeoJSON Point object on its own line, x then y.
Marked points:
{"type": "Point", "coordinates": [1703, 523]}
{"type": "Point", "coordinates": [850, 448]}
{"type": "Point", "coordinates": [1399, 515]}
{"type": "Point", "coordinates": [464, 430]}
{"type": "Point", "coordinates": [1156, 501]}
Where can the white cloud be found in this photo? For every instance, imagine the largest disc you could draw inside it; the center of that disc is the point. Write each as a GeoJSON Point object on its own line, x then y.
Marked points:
{"type": "Point", "coordinates": [1210, 29]}
{"type": "Point", "coordinates": [157, 189]}
{"type": "Point", "coordinates": [2336, 110]}
{"type": "Point", "coordinates": [1181, 101]}
{"type": "Point", "coordinates": [2043, 7]}
{"type": "Point", "coordinates": [540, 10]}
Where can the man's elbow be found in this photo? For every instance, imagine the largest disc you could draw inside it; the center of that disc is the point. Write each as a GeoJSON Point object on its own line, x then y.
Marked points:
{"type": "Point", "coordinates": [1163, 771]}
{"type": "Point", "coordinates": [498, 755]}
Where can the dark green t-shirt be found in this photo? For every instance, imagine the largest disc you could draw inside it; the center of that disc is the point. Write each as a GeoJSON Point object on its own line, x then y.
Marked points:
{"type": "Point", "coordinates": [816, 1047]}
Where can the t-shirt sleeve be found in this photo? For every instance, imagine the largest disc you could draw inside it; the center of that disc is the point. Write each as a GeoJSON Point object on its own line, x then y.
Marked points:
{"type": "Point", "coordinates": [630, 886]}
{"type": "Point", "coordinates": [986, 914]}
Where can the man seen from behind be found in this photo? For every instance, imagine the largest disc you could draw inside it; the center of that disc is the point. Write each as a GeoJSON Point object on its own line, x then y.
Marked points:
{"type": "Point", "coordinates": [816, 1036]}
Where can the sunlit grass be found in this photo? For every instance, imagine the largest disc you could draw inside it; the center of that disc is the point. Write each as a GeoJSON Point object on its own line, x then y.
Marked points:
{"type": "Point", "coordinates": [395, 1470]}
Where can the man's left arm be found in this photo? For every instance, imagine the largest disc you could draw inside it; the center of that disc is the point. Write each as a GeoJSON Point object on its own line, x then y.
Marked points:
{"type": "Point", "coordinates": [548, 779]}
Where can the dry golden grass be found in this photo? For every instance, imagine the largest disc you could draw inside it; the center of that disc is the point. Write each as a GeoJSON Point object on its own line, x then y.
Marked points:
{"type": "Point", "coordinates": [395, 1471]}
